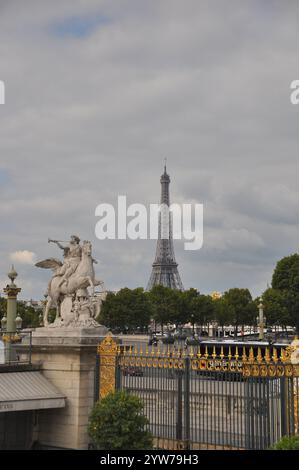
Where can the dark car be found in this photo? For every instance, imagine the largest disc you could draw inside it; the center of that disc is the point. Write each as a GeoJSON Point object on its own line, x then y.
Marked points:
{"type": "Point", "coordinates": [133, 371]}
{"type": "Point", "coordinates": [192, 341]}
{"type": "Point", "coordinates": [168, 339]}
{"type": "Point", "coordinates": [180, 336]}
{"type": "Point", "coordinates": [153, 341]}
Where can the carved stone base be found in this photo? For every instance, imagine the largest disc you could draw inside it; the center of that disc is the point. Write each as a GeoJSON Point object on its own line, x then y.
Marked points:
{"type": "Point", "coordinates": [69, 335]}
{"type": "Point", "coordinates": [67, 357]}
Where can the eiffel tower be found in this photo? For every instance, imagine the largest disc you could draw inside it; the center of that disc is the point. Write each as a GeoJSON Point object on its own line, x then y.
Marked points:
{"type": "Point", "coordinates": [165, 268]}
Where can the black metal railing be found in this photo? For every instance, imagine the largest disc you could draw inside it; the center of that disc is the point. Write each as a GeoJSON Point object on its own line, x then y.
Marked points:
{"type": "Point", "coordinates": [202, 401]}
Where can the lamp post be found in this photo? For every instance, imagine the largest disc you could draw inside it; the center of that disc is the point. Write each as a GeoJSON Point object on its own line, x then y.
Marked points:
{"type": "Point", "coordinates": [3, 322]}
{"type": "Point", "coordinates": [261, 319]}
{"type": "Point", "coordinates": [12, 291]}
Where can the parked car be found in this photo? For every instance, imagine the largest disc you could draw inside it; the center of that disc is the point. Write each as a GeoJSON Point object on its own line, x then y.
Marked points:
{"type": "Point", "coordinates": [153, 341]}
{"type": "Point", "coordinates": [168, 339]}
{"type": "Point", "coordinates": [192, 341]}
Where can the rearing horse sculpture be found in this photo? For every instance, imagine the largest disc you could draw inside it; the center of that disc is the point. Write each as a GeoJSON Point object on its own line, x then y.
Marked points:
{"type": "Point", "coordinates": [83, 277]}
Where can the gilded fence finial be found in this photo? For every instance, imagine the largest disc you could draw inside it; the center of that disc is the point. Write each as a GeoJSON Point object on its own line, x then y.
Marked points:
{"type": "Point", "coordinates": [267, 355]}
{"type": "Point", "coordinates": [282, 355]}
{"type": "Point", "coordinates": [259, 357]}
{"type": "Point", "coordinates": [251, 355]}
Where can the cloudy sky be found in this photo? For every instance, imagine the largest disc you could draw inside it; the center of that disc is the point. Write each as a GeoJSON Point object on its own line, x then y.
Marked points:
{"type": "Point", "coordinates": [98, 92]}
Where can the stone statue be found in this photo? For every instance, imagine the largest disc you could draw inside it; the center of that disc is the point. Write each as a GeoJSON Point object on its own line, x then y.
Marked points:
{"type": "Point", "coordinates": [67, 290]}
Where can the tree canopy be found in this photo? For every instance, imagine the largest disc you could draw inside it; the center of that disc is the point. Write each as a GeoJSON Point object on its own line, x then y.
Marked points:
{"type": "Point", "coordinates": [128, 309]}
{"type": "Point", "coordinates": [282, 300]}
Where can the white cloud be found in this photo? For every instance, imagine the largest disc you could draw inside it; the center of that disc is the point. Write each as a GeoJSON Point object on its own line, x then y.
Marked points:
{"type": "Point", "coordinates": [23, 257]}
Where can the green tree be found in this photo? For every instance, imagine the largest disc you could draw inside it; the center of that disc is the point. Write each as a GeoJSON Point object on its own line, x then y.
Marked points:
{"type": "Point", "coordinates": [275, 307]}
{"type": "Point", "coordinates": [128, 310]}
{"type": "Point", "coordinates": [285, 280]}
{"type": "Point", "coordinates": [165, 305]}
{"type": "Point", "coordinates": [30, 316]}
{"type": "Point", "coordinates": [185, 306]}
{"type": "Point", "coordinates": [224, 312]}
{"type": "Point", "coordinates": [117, 422]}
{"type": "Point", "coordinates": [286, 274]}
{"type": "Point", "coordinates": [203, 309]}
{"type": "Point", "coordinates": [243, 309]}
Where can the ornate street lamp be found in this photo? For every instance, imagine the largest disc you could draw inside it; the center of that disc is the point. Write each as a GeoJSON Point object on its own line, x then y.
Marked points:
{"type": "Point", "coordinates": [12, 291]}
{"type": "Point", "coordinates": [261, 320]}
{"type": "Point", "coordinates": [3, 322]}
{"type": "Point", "coordinates": [18, 322]}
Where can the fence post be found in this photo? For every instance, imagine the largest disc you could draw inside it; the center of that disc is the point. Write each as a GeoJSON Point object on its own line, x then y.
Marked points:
{"type": "Point", "coordinates": [296, 403]}
{"type": "Point", "coordinates": [107, 351]}
{"type": "Point", "coordinates": [179, 423]}
{"type": "Point", "coordinates": [187, 403]}
{"type": "Point", "coordinates": [97, 379]}
{"type": "Point", "coordinates": [284, 403]}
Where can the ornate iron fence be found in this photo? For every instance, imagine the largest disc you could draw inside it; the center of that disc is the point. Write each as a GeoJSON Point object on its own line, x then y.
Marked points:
{"type": "Point", "coordinates": [201, 400]}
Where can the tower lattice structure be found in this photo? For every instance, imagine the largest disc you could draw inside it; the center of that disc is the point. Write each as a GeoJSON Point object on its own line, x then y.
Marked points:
{"type": "Point", "coordinates": [165, 268]}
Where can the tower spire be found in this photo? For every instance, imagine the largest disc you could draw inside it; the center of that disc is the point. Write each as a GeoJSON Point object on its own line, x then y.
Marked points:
{"type": "Point", "coordinates": [165, 268]}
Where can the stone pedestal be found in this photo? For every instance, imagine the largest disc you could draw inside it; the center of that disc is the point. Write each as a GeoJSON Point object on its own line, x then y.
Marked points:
{"type": "Point", "coordinates": [68, 358]}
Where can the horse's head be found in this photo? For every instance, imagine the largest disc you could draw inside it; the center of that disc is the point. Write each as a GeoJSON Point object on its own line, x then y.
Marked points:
{"type": "Point", "coordinates": [87, 248]}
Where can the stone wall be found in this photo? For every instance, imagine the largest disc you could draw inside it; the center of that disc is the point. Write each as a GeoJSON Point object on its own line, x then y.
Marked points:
{"type": "Point", "coordinates": [67, 358]}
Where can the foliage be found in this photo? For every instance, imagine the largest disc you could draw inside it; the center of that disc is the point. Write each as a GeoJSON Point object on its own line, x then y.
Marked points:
{"type": "Point", "coordinates": [30, 316]}
{"type": "Point", "coordinates": [286, 274]}
{"type": "Point", "coordinates": [117, 423]}
{"type": "Point", "coordinates": [166, 308]}
{"type": "Point", "coordinates": [283, 299]}
{"type": "Point", "coordinates": [243, 310]}
{"type": "Point", "coordinates": [127, 310]}
{"type": "Point", "coordinates": [287, 443]}
{"type": "Point", "coordinates": [224, 312]}
{"type": "Point", "coordinates": [202, 309]}
{"type": "Point", "coordinates": [275, 309]}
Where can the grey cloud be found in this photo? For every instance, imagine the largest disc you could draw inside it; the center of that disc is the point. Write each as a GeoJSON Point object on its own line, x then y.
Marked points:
{"type": "Point", "coordinates": [86, 119]}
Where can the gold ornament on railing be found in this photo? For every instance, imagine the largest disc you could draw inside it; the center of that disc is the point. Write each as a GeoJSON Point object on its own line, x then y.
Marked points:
{"type": "Point", "coordinates": [263, 362]}
{"type": "Point", "coordinates": [107, 350]}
